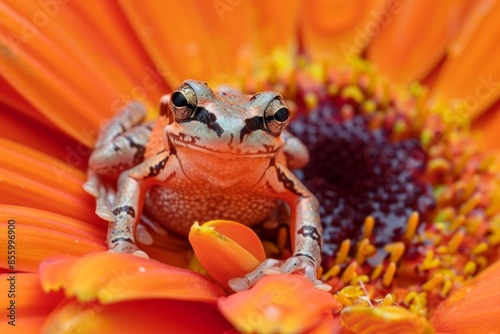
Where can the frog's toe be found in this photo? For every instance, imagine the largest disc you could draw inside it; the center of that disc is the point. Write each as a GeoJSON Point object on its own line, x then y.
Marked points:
{"type": "Point", "coordinates": [127, 247]}
{"type": "Point", "coordinates": [299, 264]}
{"type": "Point", "coordinates": [140, 253]}
{"type": "Point", "coordinates": [245, 282]}
{"type": "Point", "coordinates": [142, 235]}
{"type": "Point", "coordinates": [303, 264]}
{"type": "Point", "coordinates": [104, 212]}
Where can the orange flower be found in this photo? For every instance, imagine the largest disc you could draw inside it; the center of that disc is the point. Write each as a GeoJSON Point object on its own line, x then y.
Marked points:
{"type": "Point", "coordinates": [413, 81]}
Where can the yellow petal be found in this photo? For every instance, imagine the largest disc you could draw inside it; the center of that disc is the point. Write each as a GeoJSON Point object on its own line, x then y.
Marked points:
{"type": "Point", "coordinates": [384, 319]}
{"type": "Point", "coordinates": [221, 256]}
{"type": "Point", "coordinates": [138, 316]}
{"type": "Point", "coordinates": [110, 278]}
{"type": "Point", "coordinates": [278, 304]}
{"type": "Point", "coordinates": [474, 308]}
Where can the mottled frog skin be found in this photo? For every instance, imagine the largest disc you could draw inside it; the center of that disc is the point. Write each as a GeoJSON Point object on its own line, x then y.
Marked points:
{"type": "Point", "coordinates": [210, 155]}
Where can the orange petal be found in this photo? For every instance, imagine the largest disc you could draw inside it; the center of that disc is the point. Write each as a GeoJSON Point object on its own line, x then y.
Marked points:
{"type": "Point", "coordinates": [471, 72]}
{"type": "Point", "coordinates": [32, 305]}
{"type": "Point", "coordinates": [29, 176]}
{"type": "Point", "coordinates": [333, 31]}
{"type": "Point", "coordinates": [39, 136]}
{"type": "Point", "coordinates": [474, 308]}
{"type": "Point", "coordinates": [111, 278]}
{"type": "Point", "coordinates": [40, 234]}
{"type": "Point", "coordinates": [278, 304]}
{"type": "Point", "coordinates": [410, 45]}
{"type": "Point", "coordinates": [384, 319]}
{"type": "Point", "coordinates": [219, 40]}
{"type": "Point", "coordinates": [487, 126]}
{"type": "Point", "coordinates": [138, 316]}
{"type": "Point", "coordinates": [221, 256]}
{"type": "Point", "coordinates": [61, 65]}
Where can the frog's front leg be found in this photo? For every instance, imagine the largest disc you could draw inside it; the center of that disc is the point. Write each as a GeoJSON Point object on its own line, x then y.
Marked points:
{"type": "Point", "coordinates": [305, 229]}
{"type": "Point", "coordinates": [132, 185]}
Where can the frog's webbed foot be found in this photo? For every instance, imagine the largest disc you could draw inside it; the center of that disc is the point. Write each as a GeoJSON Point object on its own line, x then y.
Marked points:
{"type": "Point", "coordinates": [295, 264]}
{"type": "Point", "coordinates": [127, 247]}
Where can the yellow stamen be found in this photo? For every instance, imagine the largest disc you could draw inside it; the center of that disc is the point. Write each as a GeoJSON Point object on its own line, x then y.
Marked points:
{"type": "Point", "coordinates": [470, 204]}
{"type": "Point", "coordinates": [482, 262]}
{"type": "Point", "coordinates": [364, 250]}
{"type": "Point", "coordinates": [439, 165]}
{"type": "Point", "coordinates": [430, 262]}
{"type": "Point", "coordinates": [360, 279]}
{"type": "Point", "coordinates": [455, 241]}
{"type": "Point", "coordinates": [376, 272]}
{"type": "Point", "coordinates": [353, 92]}
{"type": "Point", "coordinates": [332, 89]}
{"type": "Point", "coordinates": [389, 274]}
{"type": "Point", "coordinates": [396, 249]}
{"type": "Point", "coordinates": [480, 248]}
{"type": "Point", "coordinates": [332, 272]}
{"type": "Point", "coordinates": [409, 297]}
{"type": "Point", "coordinates": [369, 106]}
{"type": "Point", "coordinates": [368, 226]}
{"type": "Point", "coordinates": [472, 224]}
{"type": "Point", "coordinates": [457, 222]}
{"type": "Point", "coordinates": [349, 273]}
{"type": "Point", "coordinates": [446, 214]}
{"type": "Point", "coordinates": [343, 251]}
{"type": "Point", "coordinates": [411, 226]}
{"type": "Point", "coordinates": [311, 100]}
{"type": "Point", "coordinates": [447, 285]}
{"type": "Point", "coordinates": [470, 268]}
{"type": "Point", "coordinates": [433, 282]}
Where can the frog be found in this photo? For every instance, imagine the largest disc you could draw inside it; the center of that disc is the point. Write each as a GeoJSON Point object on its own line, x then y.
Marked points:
{"type": "Point", "coordinates": [209, 155]}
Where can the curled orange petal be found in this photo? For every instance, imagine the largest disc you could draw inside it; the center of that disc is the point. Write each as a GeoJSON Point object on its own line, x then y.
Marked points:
{"type": "Point", "coordinates": [474, 308]}
{"type": "Point", "coordinates": [138, 316]}
{"type": "Point", "coordinates": [111, 278]}
{"type": "Point", "coordinates": [278, 304]}
{"type": "Point", "coordinates": [226, 249]}
{"type": "Point", "coordinates": [383, 319]}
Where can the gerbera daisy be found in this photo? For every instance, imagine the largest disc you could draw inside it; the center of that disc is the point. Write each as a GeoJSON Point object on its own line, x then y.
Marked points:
{"type": "Point", "coordinates": [384, 94]}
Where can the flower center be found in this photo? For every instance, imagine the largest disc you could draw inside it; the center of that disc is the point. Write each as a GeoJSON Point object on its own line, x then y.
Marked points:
{"type": "Point", "coordinates": [356, 172]}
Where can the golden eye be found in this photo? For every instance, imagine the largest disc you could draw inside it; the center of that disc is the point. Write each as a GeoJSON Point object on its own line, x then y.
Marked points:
{"type": "Point", "coordinates": [183, 102]}
{"type": "Point", "coordinates": [276, 116]}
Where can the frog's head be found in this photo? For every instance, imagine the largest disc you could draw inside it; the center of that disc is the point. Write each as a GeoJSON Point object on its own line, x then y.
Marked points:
{"type": "Point", "coordinates": [229, 125]}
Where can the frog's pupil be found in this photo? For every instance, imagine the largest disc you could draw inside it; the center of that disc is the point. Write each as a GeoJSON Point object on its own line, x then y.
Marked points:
{"type": "Point", "coordinates": [179, 100]}
{"type": "Point", "coordinates": [282, 114]}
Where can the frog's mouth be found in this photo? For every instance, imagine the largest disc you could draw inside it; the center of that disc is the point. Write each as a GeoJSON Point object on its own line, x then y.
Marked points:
{"type": "Point", "coordinates": [195, 143]}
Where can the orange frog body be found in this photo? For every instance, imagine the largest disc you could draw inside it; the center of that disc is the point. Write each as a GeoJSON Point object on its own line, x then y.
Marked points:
{"type": "Point", "coordinates": [210, 155]}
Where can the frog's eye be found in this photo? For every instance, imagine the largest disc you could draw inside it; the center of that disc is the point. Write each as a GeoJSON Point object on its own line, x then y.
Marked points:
{"type": "Point", "coordinates": [183, 102]}
{"type": "Point", "coordinates": [276, 116]}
